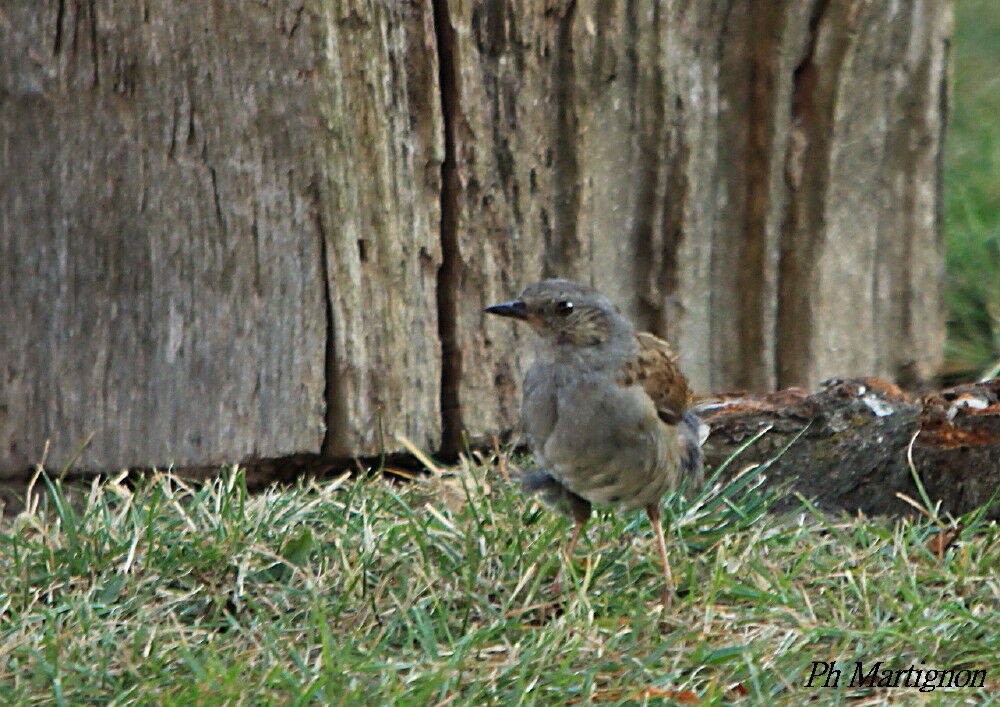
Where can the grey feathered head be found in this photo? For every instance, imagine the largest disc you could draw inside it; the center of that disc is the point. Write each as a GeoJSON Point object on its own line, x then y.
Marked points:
{"type": "Point", "coordinates": [563, 311]}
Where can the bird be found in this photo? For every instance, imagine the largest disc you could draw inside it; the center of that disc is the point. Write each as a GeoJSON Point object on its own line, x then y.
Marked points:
{"type": "Point", "coordinates": [606, 410]}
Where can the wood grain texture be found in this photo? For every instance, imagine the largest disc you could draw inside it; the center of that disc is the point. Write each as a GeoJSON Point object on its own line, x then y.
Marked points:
{"type": "Point", "coordinates": [379, 192]}
{"type": "Point", "coordinates": [158, 292]}
{"type": "Point", "coordinates": [743, 178]}
{"type": "Point", "coordinates": [860, 262]}
{"type": "Point", "coordinates": [170, 179]}
{"type": "Point", "coordinates": [233, 230]}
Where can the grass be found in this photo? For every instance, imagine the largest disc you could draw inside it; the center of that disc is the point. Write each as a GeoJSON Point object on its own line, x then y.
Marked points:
{"type": "Point", "coordinates": [370, 592]}
{"type": "Point", "coordinates": [972, 194]}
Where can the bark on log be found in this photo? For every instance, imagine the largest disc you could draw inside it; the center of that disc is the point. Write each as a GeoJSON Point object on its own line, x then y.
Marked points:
{"type": "Point", "coordinates": [850, 446]}
{"type": "Point", "coordinates": [236, 230]}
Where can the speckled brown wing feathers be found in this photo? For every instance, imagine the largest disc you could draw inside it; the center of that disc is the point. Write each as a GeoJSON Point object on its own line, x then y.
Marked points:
{"type": "Point", "coordinates": [656, 370]}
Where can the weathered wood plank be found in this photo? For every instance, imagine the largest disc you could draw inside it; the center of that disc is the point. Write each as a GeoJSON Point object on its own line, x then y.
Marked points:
{"type": "Point", "coordinates": [860, 286]}
{"type": "Point", "coordinates": [380, 177]}
{"type": "Point", "coordinates": [158, 291]}
{"type": "Point", "coordinates": [170, 178]}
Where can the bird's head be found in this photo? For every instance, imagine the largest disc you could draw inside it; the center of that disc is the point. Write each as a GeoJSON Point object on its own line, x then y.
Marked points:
{"type": "Point", "coordinates": [566, 312]}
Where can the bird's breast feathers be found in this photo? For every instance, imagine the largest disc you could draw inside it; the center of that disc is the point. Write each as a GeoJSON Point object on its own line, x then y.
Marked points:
{"type": "Point", "coordinates": [603, 440]}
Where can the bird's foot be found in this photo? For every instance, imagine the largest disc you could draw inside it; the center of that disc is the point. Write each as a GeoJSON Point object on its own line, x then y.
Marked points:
{"type": "Point", "coordinates": [667, 599]}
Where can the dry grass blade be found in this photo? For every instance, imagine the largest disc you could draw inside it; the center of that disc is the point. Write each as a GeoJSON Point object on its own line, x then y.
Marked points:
{"type": "Point", "coordinates": [418, 453]}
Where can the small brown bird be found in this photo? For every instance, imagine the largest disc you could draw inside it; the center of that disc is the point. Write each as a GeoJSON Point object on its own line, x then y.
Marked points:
{"type": "Point", "coordinates": [605, 410]}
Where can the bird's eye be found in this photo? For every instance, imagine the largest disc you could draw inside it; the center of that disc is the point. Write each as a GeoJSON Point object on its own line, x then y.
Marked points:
{"type": "Point", "coordinates": [564, 308]}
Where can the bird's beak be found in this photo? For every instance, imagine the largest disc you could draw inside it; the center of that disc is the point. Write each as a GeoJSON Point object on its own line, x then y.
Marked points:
{"type": "Point", "coordinates": [516, 309]}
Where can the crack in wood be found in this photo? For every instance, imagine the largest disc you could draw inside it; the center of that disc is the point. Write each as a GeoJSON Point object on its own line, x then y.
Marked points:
{"type": "Point", "coordinates": [216, 200]}
{"type": "Point", "coordinates": [652, 141]}
{"type": "Point", "coordinates": [174, 126]}
{"type": "Point", "coordinates": [448, 273]}
{"type": "Point", "coordinates": [801, 230]}
{"type": "Point", "coordinates": [562, 256]}
{"type": "Point", "coordinates": [675, 190]}
{"type": "Point", "coordinates": [756, 299]}
{"type": "Point", "coordinates": [74, 44]}
{"type": "Point", "coordinates": [297, 21]}
{"type": "Point", "coordinates": [94, 54]}
{"type": "Point", "coordinates": [335, 437]}
{"type": "Point", "coordinates": [258, 287]}
{"type": "Point", "coordinates": [60, 15]}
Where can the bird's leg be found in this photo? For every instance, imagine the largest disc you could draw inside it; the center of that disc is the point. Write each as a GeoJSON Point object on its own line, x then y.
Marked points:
{"type": "Point", "coordinates": [653, 511]}
{"type": "Point", "coordinates": [580, 509]}
{"type": "Point", "coordinates": [577, 531]}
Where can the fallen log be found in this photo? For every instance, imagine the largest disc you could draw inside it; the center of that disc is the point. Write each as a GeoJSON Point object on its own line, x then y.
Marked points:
{"type": "Point", "coordinates": [861, 444]}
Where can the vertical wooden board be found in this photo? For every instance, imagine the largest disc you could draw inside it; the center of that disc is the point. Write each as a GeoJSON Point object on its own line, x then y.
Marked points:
{"type": "Point", "coordinates": [910, 309]}
{"type": "Point", "coordinates": [764, 67]}
{"type": "Point", "coordinates": [731, 61]}
{"type": "Point", "coordinates": [615, 90]}
{"type": "Point", "coordinates": [883, 197]}
{"type": "Point", "coordinates": [161, 275]}
{"type": "Point", "coordinates": [501, 124]}
{"type": "Point", "coordinates": [651, 155]}
{"type": "Point", "coordinates": [576, 161]}
{"type": "Point", "coordinates": [861, 125]}
{"type": "Point", "coordinates": [698, 209]}
{"type": "Point", "coordinates": [380, 177]}
{"type": "Point", "coordinates": [864, 140]}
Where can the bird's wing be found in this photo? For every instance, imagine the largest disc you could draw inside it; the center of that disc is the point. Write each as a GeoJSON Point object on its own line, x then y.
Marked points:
{"type": "Point", "coordinates": [656, 370]}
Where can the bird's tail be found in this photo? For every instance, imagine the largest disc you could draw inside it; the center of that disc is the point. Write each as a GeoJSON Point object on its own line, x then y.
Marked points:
{"type": "Point", "coordinates": [694, 433]}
